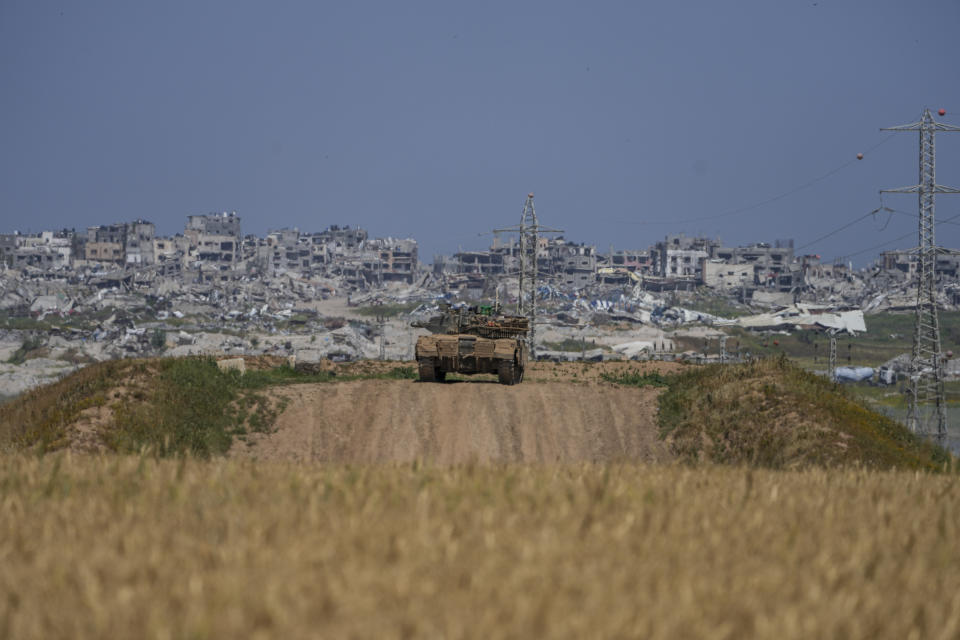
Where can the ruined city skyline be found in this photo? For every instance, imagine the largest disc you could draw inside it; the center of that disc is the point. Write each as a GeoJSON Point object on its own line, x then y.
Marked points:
{"type": "Point", "coordinates": [213, 248]}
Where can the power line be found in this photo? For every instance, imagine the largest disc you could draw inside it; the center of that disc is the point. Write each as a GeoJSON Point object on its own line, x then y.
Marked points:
{"type": "Point", "coordinates": [914, 215]}
{"type": "Point", "coordinates": [873, 248]}
{"type": "Point", "coordinates": [839, 229]}
{"type": "Point", "coordinates": [757, 205]}
{"type": "Point", "coordinates": [903, 237]}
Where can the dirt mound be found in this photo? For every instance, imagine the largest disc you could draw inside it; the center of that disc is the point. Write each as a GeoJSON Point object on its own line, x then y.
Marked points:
{"type": "Point", "coordinates": [770, 413]}
{"type": "Point", "coordinates": [400, 421]}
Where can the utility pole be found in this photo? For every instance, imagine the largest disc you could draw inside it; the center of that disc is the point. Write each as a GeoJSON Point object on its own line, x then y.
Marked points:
{"type": "Point", "coordinates": [529, 230]}
{"type": "Point", "coordinates": [723, 349]}
{"type": "Point", "coordinates": [833, 357]}
{"type": "Point", "coordinates": [926, 365]}
{"type": "Point", "coordinates": [383, 338]}
{"type": "Point", "coordinates": [382, 324]}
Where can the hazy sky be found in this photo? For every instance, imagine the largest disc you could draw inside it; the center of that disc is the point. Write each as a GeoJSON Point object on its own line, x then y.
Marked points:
{"type": "Point", "coordinates": [629, 120]}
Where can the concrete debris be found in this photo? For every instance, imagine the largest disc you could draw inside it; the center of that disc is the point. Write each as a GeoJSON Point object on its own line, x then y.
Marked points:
{"type": "Point", "coordinates": [120, 290]}
{"type": "Point", "coordinates": [899, 367]}
{"type": "Point", "coordinates": [804, 317]}
{"type": "Point", "coordinates": [632, 350]}
{"type": "Point", "coordinates": [771, 298]}
{"type": "Point", "coordinates": [232, 364]}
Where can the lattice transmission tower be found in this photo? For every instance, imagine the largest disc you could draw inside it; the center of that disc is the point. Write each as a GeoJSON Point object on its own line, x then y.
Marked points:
{"type": "Point", "coordinates": [926, 407]}
{"type": "Point", "coordinates": [529, 230]}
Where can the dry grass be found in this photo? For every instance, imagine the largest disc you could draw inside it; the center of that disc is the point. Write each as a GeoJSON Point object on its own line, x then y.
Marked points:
{"type": "Point", "coordinates": [123, 547]}
{"type": "Point", "coordinates": [771, 413]}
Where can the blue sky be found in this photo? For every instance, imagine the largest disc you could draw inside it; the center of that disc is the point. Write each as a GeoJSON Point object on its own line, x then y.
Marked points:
{"type": "Point", "coordinates": [629, 120]}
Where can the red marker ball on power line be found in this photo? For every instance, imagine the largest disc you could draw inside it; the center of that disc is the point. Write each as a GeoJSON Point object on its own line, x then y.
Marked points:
{"type": "Point", "coordinates": [859, 156]}
{"type": "Point", "coordinates": [942, 112]}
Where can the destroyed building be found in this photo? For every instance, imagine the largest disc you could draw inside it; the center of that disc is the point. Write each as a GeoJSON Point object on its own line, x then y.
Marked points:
{"type": "Point", "coordinates": [8, 242]}
{"type": "Point", "coordinates": [215, 242]}
{"type": "Point", "coordinates": [720, 275]}
{"type": "Point", "coordinates": [170, 249]}
{"type": "Point", "coordinates": [119, 244]}
{"type": "Point", "coordinates": [560, 262]}
{"type": "Point", "coordinates": [105, 245]}
{"type": "Point", "coordinates": [211, 251]}
{"type": "Point", "coordinates": [343, 237]}
{"type": "Point", "coordinates": [773, 266]}
{"type": "Point", "coordinates": [621, 267]}
{"type": "Point", "coordinates": [904, 263]}
{"type": "Point", "coordinates": [637, 261]}
{"type": "Point", "coordinates": [282, 251]}
{"type": "Point", "coordinates": [681, 257]}
{"type": "Point", "coordinates": [138, 243]}
{"type": "Point", "coordinates": [222, 224]}
{"type": "Point", "coordinates": [216, 252]}
{"type": "Point", "coordinates": [389, 260]}
{"type": "Point", "coordinates": [47, 250]}
{"type": "Point", "coordinates": [487, 263]}
{"type": "Point", "coordinates": [573, 265]}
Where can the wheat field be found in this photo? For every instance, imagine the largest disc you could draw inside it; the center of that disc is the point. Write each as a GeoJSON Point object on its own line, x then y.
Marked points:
{"type": "Point", "coordinates": [125, 547]}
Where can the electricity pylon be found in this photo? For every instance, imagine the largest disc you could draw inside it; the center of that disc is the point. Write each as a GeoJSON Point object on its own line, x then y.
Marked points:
{"type": "Point", "coordinates": [529, 230]}
{"type": "Point", "coordinates": [927, 362]}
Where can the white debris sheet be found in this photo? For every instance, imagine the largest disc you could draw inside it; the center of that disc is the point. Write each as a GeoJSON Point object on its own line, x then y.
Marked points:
{"type": "Point", "coordinates": [802, 316]}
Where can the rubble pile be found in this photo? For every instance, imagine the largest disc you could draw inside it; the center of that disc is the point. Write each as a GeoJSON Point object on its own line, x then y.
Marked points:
{"type": "Point", "coordinates": [119, 290]}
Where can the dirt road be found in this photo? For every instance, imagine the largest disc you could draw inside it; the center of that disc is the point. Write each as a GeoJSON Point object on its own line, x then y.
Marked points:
{"type": "Point", "coordinates": [390, 421]}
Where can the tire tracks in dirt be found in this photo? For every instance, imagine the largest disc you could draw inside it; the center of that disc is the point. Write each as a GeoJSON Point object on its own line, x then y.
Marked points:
{"type": "Point", "coordinates": [397, 421]}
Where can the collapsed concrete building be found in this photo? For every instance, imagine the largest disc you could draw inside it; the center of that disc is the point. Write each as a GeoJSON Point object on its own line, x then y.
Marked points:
{"type": "Point", "coordinates": [947, 264]}
{"type": "Point", "coordinates": [48, 250]}
{"type": "Point", "coordinates": [389, 260]}
{"type": "Point", "coordinates": [560, 262]}
{"type": "Point", "coordinates": [773, 266]}
{"type": "Point", "coordinates": [212, 250]}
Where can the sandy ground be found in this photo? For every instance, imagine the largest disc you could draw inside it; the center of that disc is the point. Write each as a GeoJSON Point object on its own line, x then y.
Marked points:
{"type": "Point", "coordinates": [391, 421]}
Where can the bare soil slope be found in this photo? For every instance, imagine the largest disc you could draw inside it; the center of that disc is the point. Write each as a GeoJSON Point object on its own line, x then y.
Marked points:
{"type": "Point", "coordinates": [400, 421]}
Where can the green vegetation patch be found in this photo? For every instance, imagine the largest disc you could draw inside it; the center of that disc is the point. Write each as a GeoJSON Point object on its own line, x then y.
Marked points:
{"type": "Point", "coordinates": [889, 334]}
{"type": "Point", "coordinates": [637, 379]}
{"type": "Point", "coordinates": [706, 301]}
{"type": "Point", "coordinates": [193, 408]}
{"type": "Point", "coordinates": [770, 413]}
{"type": "Point", "coordinates": [39, 418]}
{"type": "Point", "coordinates": [167, 407]}
{"type": "Point", "coordinates": [32, 347]}
{"type": "Point", "coordinates": [574, 345]}
{"type": "Point", "coordinates": [27, 322]}
{"type": "Point", "coordinates": [196, 408]}
{"type": "Point", "coordinates": [386, 310]}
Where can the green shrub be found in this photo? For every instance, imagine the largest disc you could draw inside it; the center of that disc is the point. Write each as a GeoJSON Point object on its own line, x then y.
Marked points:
{"type": "Point", "coordinates": [637, 379]}
{"type": "Point", "coordinates": [30, 346]}
{"type": "Point", "coordinates": [188, 411]}
{"type": "Point", "coordinates": [158, 339]}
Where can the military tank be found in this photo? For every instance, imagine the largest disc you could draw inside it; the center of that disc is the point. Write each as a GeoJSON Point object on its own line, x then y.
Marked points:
{"type": "Point", "coordinates": [471, 340]}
